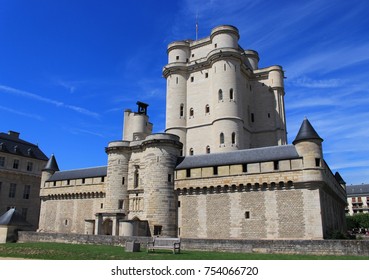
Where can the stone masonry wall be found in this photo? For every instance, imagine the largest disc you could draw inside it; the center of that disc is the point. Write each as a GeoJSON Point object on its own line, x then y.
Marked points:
{"type": "Point", "coordinates": [308, 247]}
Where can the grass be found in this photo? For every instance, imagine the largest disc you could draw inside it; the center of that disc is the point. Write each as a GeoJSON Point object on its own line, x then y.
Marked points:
{"type": "Point", "coordinates": [61, 251]}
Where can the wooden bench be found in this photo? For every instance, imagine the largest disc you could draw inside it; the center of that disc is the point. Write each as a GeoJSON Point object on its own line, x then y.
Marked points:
{"type": "Point", "coordinates": [173, 244]}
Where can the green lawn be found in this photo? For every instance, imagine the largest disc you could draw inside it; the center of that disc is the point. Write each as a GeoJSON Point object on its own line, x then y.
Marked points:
{"type": "Point", "coordinates": [59, 251]}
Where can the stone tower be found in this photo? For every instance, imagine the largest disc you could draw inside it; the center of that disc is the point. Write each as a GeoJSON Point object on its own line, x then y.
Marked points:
{"type": "Point", "coordinates": [218, 99]}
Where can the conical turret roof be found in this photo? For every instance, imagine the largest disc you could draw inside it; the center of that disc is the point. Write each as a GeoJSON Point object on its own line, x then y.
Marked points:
{"type": "Point", "coordinates": [51, 165]}
{"type": "Point", "coordinates": [306, 132]}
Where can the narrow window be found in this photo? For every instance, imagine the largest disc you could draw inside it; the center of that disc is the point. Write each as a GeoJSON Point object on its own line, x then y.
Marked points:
{"type": "Point", "coordinates": [29, 166]}
{"type": "Point", "coordinates": [233, 138]}
{"type": "Point", "coordinates": [136, 179]}
{"type": "Point", "coordinates": [12, 190]}
{"type": "Point", "coordinates": [83, 180]}
{"type": "Point", "coordinates": [177, 57]}
{"type": "Point", "coordinates": [169, 178]}
{"type": "Point", "coordinates": [54, 183]}
{"type": "Point", "coordinates": [225, 67]}
{"type": "Point", "coordinates": [276, 164]}
{"type": "Point", "coordinates": [157, 230]}
{"type": "Point", "coordinates": [123, 180]}
{"type": "Point", "coordinates": [269, 115]}
{"type": "Point", "coordinates": [181, 108]}
{"type": "Point", "coordinates": [208, 149]}
{"type": "Point", "coordinates": [179, 204]}
{"type": "Point", "coordinates": [207, 109]}
{"type": "Point", "coordinates": [191, 112]}
{"type": "Point", "coordinates": [244, 167]}
{"type": "Point", "coordinates": [231, 96]}
{"type": "Point", "coordinates": [247, 215]}
{"type": "Point", "coordinates": [26, 191]}
{"type": "Point", "coordinates": [192, 79]}
{"type": "Point", "coordinates": [68, 182]}
{"type": "Point", "coordinates": [2, 161]}
{"type": "Point", "coordinates": [252, 117]}
{"type": "Point", "coordinates": [16, 164]}
{"type": "Point", "coordinates": [102, 179]}
{"type": "Point", "coordinates": [206, 75]}
{"type": "Point", "coordinates": [250, 88]}
{"type": "Point", "coordinates": [193, 55]}
{"type": "Point", "coordinates": [317, 162]}
{"type": "Point", "coordinates": [101, 205]}
{"type": "Point", "coordinates": [220, 95]}
{"type": "Point", "coordinates": [215, 45]}
{"type": "Point", "coordinates": [191, 152]}
{"type": "Point", "coordinates": [215, 170]}
{"type": "Point", "coordinates": [177, 80]}
{"type": "Point", "coordinates": [120, 203]}
{"type": "Point", "coordinates": [221, 138]}
{"type": "Point", "coordinates": [66, 222]}
{"type": "Point", "coordinates": [188, 172]}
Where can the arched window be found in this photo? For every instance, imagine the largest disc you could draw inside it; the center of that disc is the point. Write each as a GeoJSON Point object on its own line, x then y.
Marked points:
{"type": "Point", "coordinates": [221, 138]}
{"type": "Point", "coordinates": [220, 95]}
{"type": "Point", "coordinates": [191, 152]}
{"type": "Point", "coordinates": [233, 138]}
{"type": "Point", "coordinates": [208, 149]}
{"type": "Point", "coordinates": [231, 95]}
{"type": "Point", "coordinates": [191, 112]}
{"type": "Point", "coordinates": [181, 108]}
{"type": "Point", "coordinates": [207, 109]}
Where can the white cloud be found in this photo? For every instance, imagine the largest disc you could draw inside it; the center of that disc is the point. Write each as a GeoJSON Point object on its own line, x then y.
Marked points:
{"type": "Point", "coordinates": [17, 112]}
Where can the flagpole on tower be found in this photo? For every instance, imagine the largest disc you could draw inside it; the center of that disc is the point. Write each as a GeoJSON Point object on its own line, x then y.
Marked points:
{"type": "Point", "coordinates": [197, 26]}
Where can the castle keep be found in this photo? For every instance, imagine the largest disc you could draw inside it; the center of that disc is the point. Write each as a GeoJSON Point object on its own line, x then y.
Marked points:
{"type": "Point", "coordinates": [222, 169]}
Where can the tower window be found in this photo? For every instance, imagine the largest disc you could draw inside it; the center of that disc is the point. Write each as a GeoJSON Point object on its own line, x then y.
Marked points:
{"type": "Point", "coordinates": [191, 152]}
{"type": "Point", "coordinates": [247, 215]}
{"type": "Point", "coordinates": [177, 80]}
{"type": "Point", "coordinates": [276, 164]}
{"type": "Point", "coordinates": [244, 167]}
{"type": "Point", "coordinates": [120, 203]}
{"type": "Point", "coordinates": [221, 138]}
{"type": "Point", "coordinates": [233, 138]}
{"type": "Point", "coordinates": [177, 57]}
{"type": "Point", "coordinates": [225, 67]}
{"type": "Point", "coordinates": [269, 115]}
{"type": "Point", "coordinates": [206, 75]}
{"type": "Point", "coordinates": [215, 45]}
{"type": "Point", "coordinates": [231, 96]}
{"type": "Point", "coordinates": [191, 112]}
{"type": "Point", "coordinates": [181, 108]}
{"type": "Point", "coordinates": [317, 162]}
{"type": "Point", "coordinates": [252, 117]}
{"type": "Point", "coordinates": [208, 149]}
{"type": "Point", "coordinates": [192, 79]}
{"type": "Point", "coordinates": [215, 170]}
{"type": "Point", "coordinates": [188, 172]}
{"type": "Point", "coordinates": [220, 95]}
{"type": "Point", "coordinates": [169, 178]}
{"type": "Point", "coordinates": [207, 109]}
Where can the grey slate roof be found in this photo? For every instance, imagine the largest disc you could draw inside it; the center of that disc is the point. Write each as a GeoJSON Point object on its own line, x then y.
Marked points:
{"type": "Point", "coordinates": [92, 172]}
{"type": "Point", "coordinates": [13, 145]}
{"type": "Point", "coordinates": [13, 218]}
{"type": "Point", "coordinates": [306, 132]}
{"type": "Point", "coordinates": [357, 190]}
{"type": "Point", "coordinates": [239, 157]}
{"type": "Point", "coordinates": [51, 165]}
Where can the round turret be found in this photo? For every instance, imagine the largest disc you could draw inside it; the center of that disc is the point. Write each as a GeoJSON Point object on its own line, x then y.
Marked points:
{"type": "Point", "coordinates": [252, 59]}
{"type": "Point", "coordinates": [276, 76]}
{"type": "Point", "coordinates": [178, 52]}
{"type": "Point", "coordinates": [225, 36]}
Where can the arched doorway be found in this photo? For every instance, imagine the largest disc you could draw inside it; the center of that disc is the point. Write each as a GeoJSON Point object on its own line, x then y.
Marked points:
{"type": "Point", "coordinates": [107, 227]}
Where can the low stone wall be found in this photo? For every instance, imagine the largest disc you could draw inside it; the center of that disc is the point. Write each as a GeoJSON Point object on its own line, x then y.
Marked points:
{"type": "Point", "coordinates": [307, 247]}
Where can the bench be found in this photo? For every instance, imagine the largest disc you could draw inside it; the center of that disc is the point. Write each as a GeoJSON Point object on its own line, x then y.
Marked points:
{"type": "Point", "coordinates": [173, 244]}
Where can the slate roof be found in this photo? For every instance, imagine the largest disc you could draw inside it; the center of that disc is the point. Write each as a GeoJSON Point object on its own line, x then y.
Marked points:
{"type": "Point", "coordinates": [51, 165]}
{"type": "Point", "coordinates": [92, 172]}
{"type": "Point", "coordinates": [357, 190]}
{"type": "Point", "coordinates": [13, 145]}
{"type": "Point", "coordinates": [239, 157]}
{"type": "Point", "coordinates": [13, 218]}
{"type": "Point", "coordinates": [306, 132]}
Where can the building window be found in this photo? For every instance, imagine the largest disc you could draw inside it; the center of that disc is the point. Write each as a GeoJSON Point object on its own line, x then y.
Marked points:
{"type": "Point", "coordinates": [179, 204]}
{"type": "Point", "coordinates": [231, 95]}
{"type": "Point", "coordinates": [208, 149]}
{"type": "Point", "coordinates": [215, 170]}
{"type": "Point", "coordinates": [177, 57]}
{"type": "Point", "coordinates": [188, 172]}
{"type": "Point", "coordinates": [317, 162]}
{"type": "Point", "coordinates": [191, 112]}
{"type": "Point", "coordinates": [101, 205]}
{"type": "Point", "coordinates": [120, 203]}
{"type": "Point", "coordinates": [233, 138]}
{"type": "Point", "coordinates": [252, 117]}
{"type": "Point", "coordinates": [221, 138]}
{"type": "Point", "coordinates": [29, 166]}
{"type": "Point", "coordinates": [269, 115]}
{"type": "Point", "coordinates": [244, 167]}
{"type": "Point", "coordinates": [191, 151]}
{"type": "Point", "coordinates": [220, 95]}
{"type": "Point", "coordinates": [225, 67]}
{"type": "Point", "coordinates": [276, 164]}
{"type": "Point", "coordinates": [12, 190]}
{"type": "Point", "coordinates": [16, 164]}
{"type": "Point", "coordinates": [177, 80]}
{"type": "Point", "coordinates": [2, 161]}
{"type": "Point", "coordinates": [26, 192]}
{"type": "Point", "coordinates": [169, 178]}
{"type": "Point", "coordinates": [247, 215]}
{"type": "Point", "coordinates": [83, 180]}
{"type": "Point", "coordinates": [102, 179]}
{"type": "Point", "coordinates": [206, 75]}
{"type": "Point", "coordinates": [65, 222]}
{"type": "Point", "coordinates": [207, 109]}
{"type": "Point", "coordinates": [215, 45]}
{"type": "Point", "coordinates": [123, 180]}
{"type": "Point", "coordinates": [157, 230]}
{"type": "Point", "coordinates": [136, 179]}
{"type": "Point", "coordinates": [192, 79]}
{"type": "Point", "coordinates": [181, 109]}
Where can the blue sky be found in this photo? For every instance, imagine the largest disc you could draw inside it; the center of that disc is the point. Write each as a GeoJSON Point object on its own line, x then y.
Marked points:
{"type": "Point", "coordinates": [68, 69]}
